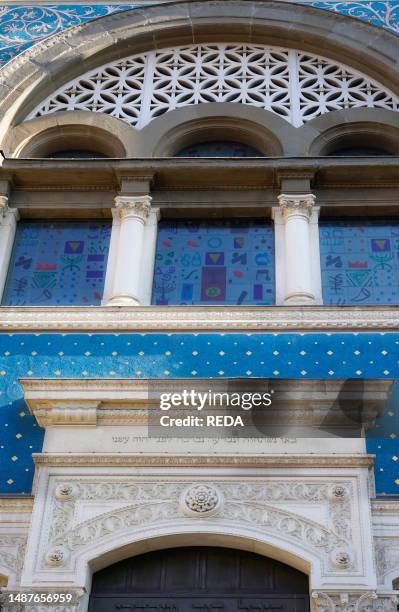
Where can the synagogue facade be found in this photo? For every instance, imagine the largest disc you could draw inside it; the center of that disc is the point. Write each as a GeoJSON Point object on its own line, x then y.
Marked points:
{"type": "Point", "coordinates": [199, 194]}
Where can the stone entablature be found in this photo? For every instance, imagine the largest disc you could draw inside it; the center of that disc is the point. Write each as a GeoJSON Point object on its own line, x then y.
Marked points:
{"type": "Point", "coordinates": [194, 318]}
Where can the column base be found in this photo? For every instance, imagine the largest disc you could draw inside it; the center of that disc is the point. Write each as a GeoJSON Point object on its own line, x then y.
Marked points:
{"type": "Point", "coordinates": [300, 299]}
{"type": "Point", "coordinates": [123, 300]}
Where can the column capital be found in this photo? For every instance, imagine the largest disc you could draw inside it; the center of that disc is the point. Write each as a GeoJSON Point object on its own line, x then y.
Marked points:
{"type": "Point", "coordinates": [296, 204]}
{"type": "Point", "coordinates": [133, 207]}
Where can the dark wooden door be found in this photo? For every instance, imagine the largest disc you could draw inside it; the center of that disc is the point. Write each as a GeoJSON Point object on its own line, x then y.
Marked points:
{"type": "Point", "coordinates": [199, 579]}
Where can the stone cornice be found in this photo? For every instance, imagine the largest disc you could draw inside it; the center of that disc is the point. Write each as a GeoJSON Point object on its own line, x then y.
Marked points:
{"type": "Point", "coordinates": [187, 318]}
{"type": "Point", "coordinates": [16, 504]}
{"type": "Point", "coordinates": [301, 403]}
{"type": "Point", "coordinates": [385, 506]}
{"type": "Point", "coordinates": [176, 173]}
{"type": "Point", "coordinates": [222, 461]}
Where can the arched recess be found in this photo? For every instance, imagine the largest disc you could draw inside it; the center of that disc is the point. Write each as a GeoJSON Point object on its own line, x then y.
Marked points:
{"type": "Point", "coordinates": [44, 67]}
{"type": "Point", "coordinates": [200, 577]}
{"type": "Point", "coordinates": [192, 532]}
{"type": "Point", "coordinates": [173, 131]}
{"type": "Point", "coordinates": [44, 135]}
{"type": "Point", "coordinates": [358, 127]}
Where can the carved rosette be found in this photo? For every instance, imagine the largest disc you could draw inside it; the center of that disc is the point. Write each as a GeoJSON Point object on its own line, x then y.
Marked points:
{"type": "Point", "coordinates": [56, 557]}
{"type": "Point", "coordinates": [338, 492]}
{"type": "Point", "coordinates": [341, 559]}
{"type": "Point", "coordinates": [65, 491]}
{"type": "Point", "coordinates": [201, 501]}
{"type": "Point", "coordinates": [133, 207]}
{"type": "Point", "coordinates": [293, 205]}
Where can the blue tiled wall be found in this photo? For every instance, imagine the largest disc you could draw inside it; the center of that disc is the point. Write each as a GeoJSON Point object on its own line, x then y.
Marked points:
{"type": "Point", "coordinates": [23, 26]}
{"type": "Point", "coordinates": [153, 355]}
{"type": "Point", "coordinates": [214, 262]}
{"type": "Point", "coordinates": [58, 263]}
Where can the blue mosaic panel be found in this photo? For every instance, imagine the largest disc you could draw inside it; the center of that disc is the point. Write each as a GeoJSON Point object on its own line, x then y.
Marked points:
{"type": "Point", "coordinates": [214, 262]}
{"type": "Point", "coordinates": [386, 467]}
{"type": "Point", "coordinates": [58, 263]}
{"type": "Point", "coordinates": [23, 26]}
{"type": "Point", "coordinates": [204, 355]}
{"type": "Point", "coordinates": [360, 262]}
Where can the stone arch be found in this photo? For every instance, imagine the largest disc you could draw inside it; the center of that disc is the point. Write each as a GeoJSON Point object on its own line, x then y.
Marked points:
{"type": "Point", "coordinates": [185, 126]}
{"type": "Point", "coordinates": [194, 533]}
{"type": "Point", "coordinates": [380, 127]}
{"type": "Point", "coordinates": [39, 137]}
{"type": "Point", "coordinates": [32, 76]}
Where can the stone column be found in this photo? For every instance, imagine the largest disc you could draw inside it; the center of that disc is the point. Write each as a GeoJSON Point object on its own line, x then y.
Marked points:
{"type": "Point", "coordinates": [133, 213]}
{"type": "Point", "coordinates": [296, 213]}
{"type": "Point", "coordinates": [8, 224]}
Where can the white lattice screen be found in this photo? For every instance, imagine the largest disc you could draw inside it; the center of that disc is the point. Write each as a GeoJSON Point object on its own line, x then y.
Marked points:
{"type": "Point", "coordinates": [295, 85]}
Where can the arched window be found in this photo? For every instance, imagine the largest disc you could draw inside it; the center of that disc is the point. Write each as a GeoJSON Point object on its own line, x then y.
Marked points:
{"type": "Point", "coordinates": [219, 148]}
{"type": "Point", "coordinates": [358, 151]}
{"type": "Point", "coordinates": [75, 154]}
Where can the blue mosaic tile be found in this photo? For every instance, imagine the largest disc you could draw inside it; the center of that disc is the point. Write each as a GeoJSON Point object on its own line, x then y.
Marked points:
{"type": "Point", "coordinates": [360, 262]}
{"type": "Point", "coordinates": [214, 262]}
{"type": "Point", "coordinates": [58, 263]}
{"type": "Point", "coordinates": [23, 26]}
{"type": "Point", "coordinates": [386, 467]}
{"type": "Point", "coordinates": [160, 355]}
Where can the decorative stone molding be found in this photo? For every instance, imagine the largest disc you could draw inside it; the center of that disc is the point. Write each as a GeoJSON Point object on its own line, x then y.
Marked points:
{"type": "Point", "coordinates": [255, 460]}
{"type": "Point", "coordinates": [135, 207]}
{"type": "Point", "coordinates": [386, 603]}
{"type": "Point", "coordinates": [341, 601]}
{"type": "Point", "coordinates": [326, 405]}
{"type": "Point", "coordinates": [201, 501]}
{"type": "Point", "coordinates": [142, 502]}
{"type": "Point", "coordinates": [83, 414]}
{"type": "Point", "coordinates": [12, 552]}
{"type": "Point", "coordinates": [192, 318]}
{"type": "Point", "coordinates": [387, 554]}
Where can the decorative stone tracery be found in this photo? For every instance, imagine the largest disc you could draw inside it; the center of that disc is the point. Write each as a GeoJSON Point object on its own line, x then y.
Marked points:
{"type": "Point", "coordinates": [295, 85]}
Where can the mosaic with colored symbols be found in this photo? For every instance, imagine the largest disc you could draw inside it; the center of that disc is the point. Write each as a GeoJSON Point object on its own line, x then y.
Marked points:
{"type": "Point", "coordinates": [214, 262]}
{"type": "Point", "coordinates": [58, 263]}
{"type": "Point", "coordinates": [360, 262]}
